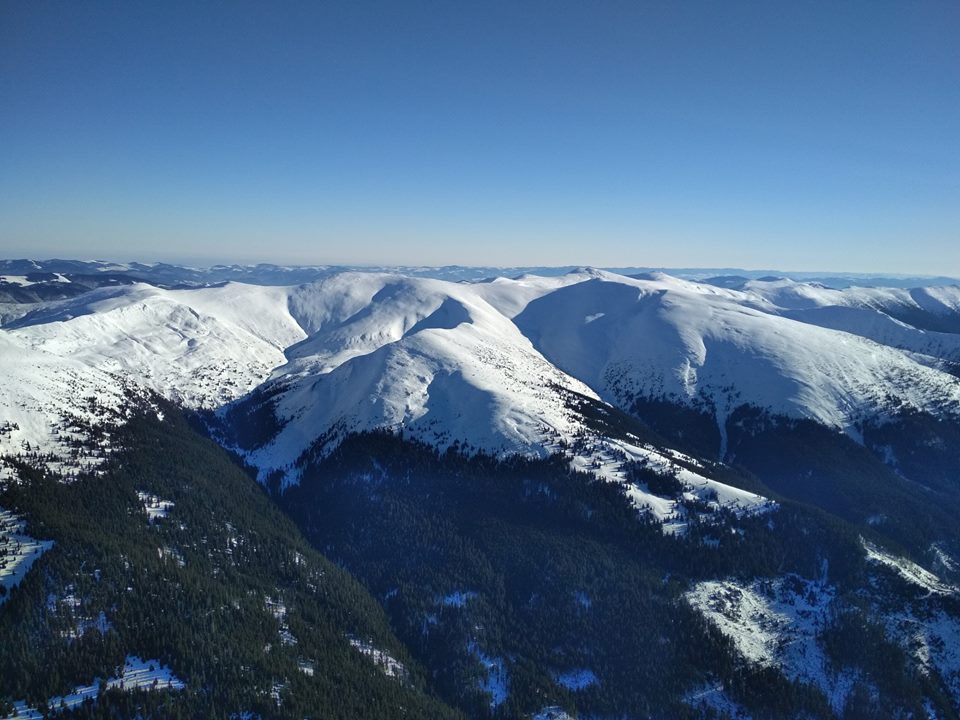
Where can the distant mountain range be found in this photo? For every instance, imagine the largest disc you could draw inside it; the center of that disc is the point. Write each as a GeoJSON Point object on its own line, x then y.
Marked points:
{"type": "Point", "coordinates": [269, 274]}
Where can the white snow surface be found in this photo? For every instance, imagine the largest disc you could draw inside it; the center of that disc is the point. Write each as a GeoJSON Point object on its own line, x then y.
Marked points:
{"type": "Point", "coordinates": [457, 598]}
{"type": "Point", "coordinates": [430, 357]}
{"type": "Point", "coordinates": [390, 666]}
{"type": "Point", "coordinates": [776, 623]}
{"type": "Point", "coordinates": [496, 680]}
{"type": "Point", "coordinates": [605, 459]}
{"type": "Point", "coordinates": [440, 362]}
{"type": "Point", "coordinates": [933, 639]}
{"type": "Point", "coordinates": [713, 698]}
{"type": "Point", "coordinates": [871, 313]}
{"type": "Point", "coordinates": [576, 679]}
{"type": "Point", "coordinates": [664, 337]}
{"type": "Point", "coordinates": [201, 346]}
{"type": "Point", "coordinates": [20, 280]}
{"type": "Point", "coordinates": [41, 396]}
{"type": "Point", "coordinates": [485, 365]}
{"type": "Point", "coordinates": [553, 712]}
{"type": "Point", "coordinates": [908, 570]}
{"type": "Point", "coordinates": [155, 507]}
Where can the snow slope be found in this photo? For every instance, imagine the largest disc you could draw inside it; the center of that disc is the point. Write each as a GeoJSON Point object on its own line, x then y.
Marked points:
{"type": "Point", "coordinates": [48, 403]}
{"type": "Point", "coordinates": [431, 357]}
{"type": "Point", "coordinates": [922, 321]}
{"type": "Point", "coordinates": [202, 347]}
{"type": "Point", "coordinates": [136, 674]}
{"type": "Point", "coordinates": [777, 623]}
{"type": "Point", "coordinates": [442, 363]}
{"type": "Point", "coordinates": [485, 365]}
{"type": "Point", "coordinates": [659, 337]}
{"type": "Point", "coordinates": [71, 362]}
{"type": "Point", "coordinates": [794, 348]}
{"type": "Point", "coordinates": [18, 552]}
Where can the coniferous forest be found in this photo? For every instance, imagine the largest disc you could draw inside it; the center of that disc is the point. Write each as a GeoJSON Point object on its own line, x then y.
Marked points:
{"type": "Point", "coordinates": [396, 580]}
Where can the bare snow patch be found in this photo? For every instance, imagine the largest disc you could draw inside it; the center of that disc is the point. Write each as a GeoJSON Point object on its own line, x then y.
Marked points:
{"type": "Point", "coordinates": [943, 558]}
{"type": "Point", "coordinates": [20, 280]}
{"type": "Point", "coordinates": [390, 666]}
{"type": "Point", "coordinates": [18, 552]}
{"type": "Point", "coordinates": [154, 506]}
{"type": "Point", "coordinates": [933, 639]}
{"type": "Point", "coordinates": [136, 674]}
{"type": "Point", "coordinates": [908, 570]}
{"type": "Point", "coordinates": [577, 679]}
{"type": "Point", "coordinates": [496, 683]}
{"type": "Point", "coordinates": [458, 598]}
{"type": "Point", "coordinates": [168, 553]}
{"type": "Point", "coordinates": [609, 460]}
{"type": "Point", "coordinates": [98, 623]}
{"type": "Point", "coordinates": [553, 712]}
{"type": "Point", "coordinates": [713, 700]}
{"type": "Point", "coordinates": [776, 623]}
{"type": "Point", "coordinates": [279, 611]}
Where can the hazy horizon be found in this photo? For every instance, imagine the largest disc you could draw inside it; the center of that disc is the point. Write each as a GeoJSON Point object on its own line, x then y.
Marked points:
{"type": "Point", "coordinates": [702, 270]}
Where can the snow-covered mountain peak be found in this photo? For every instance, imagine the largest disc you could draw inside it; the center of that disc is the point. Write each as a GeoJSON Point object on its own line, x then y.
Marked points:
{"type": "Point", "coordinates": [202, 347]}
{"type": "Point", "coordinates": [663, 338]}
{"type": "Point", "coordinates": [492, 364]}
{"type": "Point", "coordinates": [431, 357]}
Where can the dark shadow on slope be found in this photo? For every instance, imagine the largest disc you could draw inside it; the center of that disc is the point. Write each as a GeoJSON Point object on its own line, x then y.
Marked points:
{"type": "Point", "coordinates": [547, 570]}
{"type": "Point", "coordinates": [449, 315]}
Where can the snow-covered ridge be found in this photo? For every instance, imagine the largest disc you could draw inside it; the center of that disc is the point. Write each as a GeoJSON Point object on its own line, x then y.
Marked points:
{"type": "Point", "coordinates": [908, 571]}
{"type": "Point", "coordinates": [444, 363]}
{"type": "Point", "coordinates": [272, 274]}
{"type": "Point", "coordinates": [435, 359]}
{"type": "Point", "coordinates": [661, 337]}
{"type": "Point", "coordinates": [23, 281]}
{"type": "Point", "coordinates": [480, 364]}
{"type": "Point", "coordinates": [203, 347]}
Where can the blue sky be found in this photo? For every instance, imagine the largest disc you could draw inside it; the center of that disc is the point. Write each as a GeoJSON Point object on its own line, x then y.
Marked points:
{"type": "Point", "coordinates": [793, 135]}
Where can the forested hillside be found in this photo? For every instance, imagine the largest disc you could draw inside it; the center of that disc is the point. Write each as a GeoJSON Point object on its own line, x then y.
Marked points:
{"type": "Point", "coordinates": [173, 553]}
{"type": "Point", "coordinates": [522, 584]}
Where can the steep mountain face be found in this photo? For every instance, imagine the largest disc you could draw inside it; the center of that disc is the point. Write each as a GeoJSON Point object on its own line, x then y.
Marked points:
{"type": "Point", "coordinates": [433, 358]}
{"type": "Point", "coordinates": [519, 468]}
{"type": "Point", "coordinates": [509, 366]}
{"type": "Point", "coordinates": [441, 363]}
{"type": "Point", "coordinates": [421, 347]}
{"type": "Point", "coordinates": [536, 585]}
{"type": "Point", "coordinates": [746, 377]}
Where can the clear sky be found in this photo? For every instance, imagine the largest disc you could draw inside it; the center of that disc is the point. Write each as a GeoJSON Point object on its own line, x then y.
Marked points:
{"type": "Point", "coordinates": [791, 135]}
